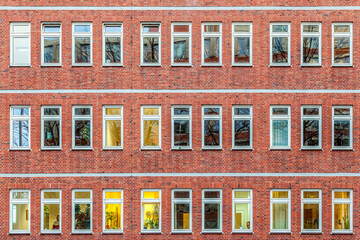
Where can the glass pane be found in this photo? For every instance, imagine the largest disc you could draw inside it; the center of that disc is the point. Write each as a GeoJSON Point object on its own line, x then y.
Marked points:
{"type": "Point", "coordinates": [280, 49]}
{"type": "Point", "coordinates": [21, 111]}
{"type": "Point", "coordinates": [151, 195]}
{"type": "Point", "coordinates": [151, 111]}
{"type": "Point", "coordinates": [211, 111]}
{"type": "Point", "coordinates": [280, 111]}
{"type": "Point", "coordinates": [181, 111]}
{"type": "Point", "coordinates": [113, 111]}
{"type": "Point", "coordinates": [52, 28]}
{"type": "Point", "coordinates": [112, 216]}
{"type": "Point", "coordinates": [311, 28]}
{"type": "Point", "coordinates": [342, 216]}
{"type": "Point", "coordinates": [308, 194]}
{"type": "Point", "coordinates": [20, 217]}
{"type": "Point", "coordinates": [51, 195]}
{"type": "Point", "coordinates": [113, 28]}
{"type": "Point", "coordinates": [311, 216]}
{"type": "Point", "coordinates": [112, 50]}
{"type": "Point", "coordinates": [341, 50]}
{"type": "Point", "coordinates": [311, 111]}
{"type": "Point", "coordinates": [211, 28]}
{"type": "Point", "coordinates": [211, 50]}
{"type": "Point", "coordinates": [181, 28]}
{"type": "Point", "coordinates": [280, 194]}
{"type": "Point", "coordinates": [242, 215]}
{"type": "Point", "coordinates": [51, 49]}
{"type": "Point", "coordinates": [52, 111]}
{"type": "Point", "coordinates": [342, 111]}
{"type": "Point", "coordinates": [113, 195]}
{"type": "Point", "coordinates": [82, 111]}
{"type": "Point", "coordinates": [82, 28]}
{"type": "Point", "coordinates": [311, 133]}
{"type": "Point", "coordinates": [151, 215]}
{"type": "Point", "coordinates": [212, 216]}
{"type": "Point", "coordinates": [280, 216]}
{"type": "Point", "coordinates": [151, 50]}
{"type": "Point", "coordinates": [20, 195]}
{"type": "Point", "coordinates": [52, 133]}
{"type": "Point", "coordinates": [82, 216]}
{"type": "Point", "coordinates": [151, 28]}
{"type": "Point", "coordinates": [21, 133]}
{"type": "Point", "coordinates": [21, 50]}
{"type": "Point", "coordinates": [242, 194]}
{"type": "Point", "coordinates": [182, 216]}
{"type": "Point", "coordinates": [342, 133]}
{"type": "Point", "coordinates": [51, 217]}
{"type": "Point", "coordinates": [242, 132]}
{"type": "Point", "coordinates": [212, 132]}
{"type": "Point", "coordinates": [182, 194]}
{"type": "Point", "coordinates": [242, 49]}
{"type": "Point", "coordinates": [21, 28]}
{"type": "Point", "coordinates": [82, 195]}
{"type": "Point", "coordinates": [241, 111]}
{"type": "Point", "coordinates": [212, 194]}
{"type": "Point", "coordinates": [181, 133]}
{"type": "Point", "coordinates": [82, 133]}
{"type": "Point", "coordinates": [280, 134]}
{"type": "Point", "coordinates": [113, 133]}
{"type": "Point", "coordinates": [342, 28]}
{"type": "Point", "coordinates": [151, 133]}
{"type": "Point", "coordinates": [342, 195]}
{"type": "Point", "coordinates": [311, 50]}
{"type": "Point", "coordinates": [181, 50]}
{"type": "Point", "coordinates": [82, 50]}
{"type": "Point", "coordinates": [280, 28]}
{"type": "Point", "coordinates": [241, 28]}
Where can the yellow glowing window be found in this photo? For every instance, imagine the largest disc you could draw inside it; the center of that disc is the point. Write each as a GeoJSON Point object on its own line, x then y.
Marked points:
{"type": "Point", "coordinates": [311, 194]}
{"type": "Point", "coordinates": [280, 194]}
{"type": "Point", "coordinates": [151, 132]}
{"type": "Point", "coordinates": [51, 195]}
{"type": "Point", "coordinates": [113, 195]}
{"type": "Point", "coordinates": [113, 133]}
{"type": "Point", "coordinates": [112, 216]}
{"type": "Point", "coordinates": [113, 111]}
{"type": "Point", "coordinates": [151, 195]}
{"type": "Point", "coordinates": [82, 195]}
{"type": "Point", "coordinates": [341, 194]}
{"type": "Point", "coordinates": [151, 111]}
{"type": "Point", "coordinates": [242, 194]}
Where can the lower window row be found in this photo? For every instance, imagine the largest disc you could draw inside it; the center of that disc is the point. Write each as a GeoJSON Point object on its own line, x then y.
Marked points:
{"type": "Point", "coordinates": [181, 211]}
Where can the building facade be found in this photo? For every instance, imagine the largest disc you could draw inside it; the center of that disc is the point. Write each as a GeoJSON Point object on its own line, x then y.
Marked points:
{"type": "Point", "coordinates": [179, 120]}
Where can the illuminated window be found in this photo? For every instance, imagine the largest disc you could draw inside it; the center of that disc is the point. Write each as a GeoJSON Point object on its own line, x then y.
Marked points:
{"type": "Point", "coordinates": [82, 127]}
{"type": "Point", "coordinates": [51, 44]}
{"type": "Point", "coordinates": [181, 127]}
{"type": "Point", "coordinates": [181, 43]}
{"type": "Point", "coordinates": [242, 127]}
{"type": "Point", "coordinates": [242, 210]}
{"type": "Point", "coordinates": [211, 44]}
{"type": "Point", "coordinates": [112, 210]}
{"type": "Point", "coordinates": [112, 44]}
{"type": "Point", "coordinates": [150, 44]}
{"type": "Point", "coordinates": [280, 44]}
{"type": "Point", "coordinates": [280, 127]}
{"type": "Point", "coordinates": [19, 211]}
{"type": "Point", "coordinates": [51, 127]}
{"type": "Point", "coordinates": [311, 127]}
{"type": "Point", "coordinates": [112, 128]}
{"type": "Point", "coordinates": [342, 127]}
{"type": "Point", "coordinates": [311, 210]}
{"type": "Point", "coordinates": [20, 127]}
{"type": "Point", "coordinates": [151, 127]}
{"type": "Point", "coordinates": [181, 210]}
{"type": "Point", "coordinates": [151, 210]}
{"type": "Point", "coordinates": [50, 211]}
{"type": "Point", "coordinates": [342, 208]}
{"type": "Point", "coordinates": [342, 40]}
{"type": "Point", "coordinates": [20, 50]}
{"type": "Point", "coordinates": [280, 220]}
{"type": "Point", "coordinates": [212, 127]}
{"type": "Point", "coordinates": [212, 210]}
{"type": "Point", "coordinates": [242, 44]}
{"type": "Point", "coordinates": [82, 211]}
{"type": "Point", "coordinates": [82, 44]}
{"type": "Point", "coordinates": [311, 44]}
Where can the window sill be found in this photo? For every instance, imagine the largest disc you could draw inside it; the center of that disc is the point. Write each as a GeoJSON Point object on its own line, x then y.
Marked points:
{"type": "Point", "coordinates": [181, 149]}
{"type": "Point", "coordinates": [82, 149]}
{"type": "Point", "coordinates": [185, 233]}
{"type": "Point", "coordinates": [342, 149]}
{"type": "Point", "coordinates": [289, 233]}
{"type": "Point", "coordinates": [304, 65]}
{"type": "Point", "coordinates": [150, 149]}
{"type": "Point", "coordinates": [220, 232]}
{"type": "Point", "coordinates": [20, 149]}
{"type": "Point", "coordinates": [242, 65]}
{"type": "Point", "coordinates": [82, 65]}
{"type": "Point", "coordinates": [28, 66]}
{"type": "Point", "coordinates": [150, 65]}
{"type": "Point", "coordinates": [342, 65]}
{"type": "Point", "coordinates": [211, 65]}
{"type": "Point", "coordinates": [280, 149]}
{"type": "Point", "coordinates": [112, 149]}
{"type": "Point", "coordinates": [148, 233]}
{"type": "Point", "coordinates": [19, 233]}
{"type": "Point", "coordinates": [212, 149]}
{"type": "Point", "coordinates": [242, 149]}
{"type": "Point", "coordinates": [82, 233]}
{"type": "Point", "coordinates": [50, 233]}
{"type": "Point", "coordinates": [50, 149]}
{"type": "Point", "coordinates": [311, 149]}
{"type": "Point", "coordinates": [285, 65]}
{"type": "Point", "coordinates": [46, 66]}
{"type": "Point", "coordinates": [115, 65]}
{"type": "Point", "coordinates": [181, 65]}
{"type": "Point", "coordinates": [109, 233]}
{"type": "Point", "coordinates": [311, 233]}
{"type": "Point", "coordinates": [239, 232]}
{"type": "Point", "coordinates": [341, 233]}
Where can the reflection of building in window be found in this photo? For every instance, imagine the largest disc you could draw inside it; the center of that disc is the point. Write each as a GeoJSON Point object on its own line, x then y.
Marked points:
{"type": "Point", "coordinates": [242, 127]}
{"type": "Point", "coordinates": [342, 127]}
{"type": "Point", "coordinates": [311, 43]}
{"type": "Point", "coordinates": [181, 43]}
{"type": "Point", "coordinates": [51, 126]}
{"type": "Point", "coordinates": [280, 43]}
{"type": "Point", "coordinates": [82, 126]}
{"type": "Point", "coordinates": [311, 126]}
{"type": "Point", "coordinates": [342, 43]}
{"type": "Point", "coordinates": [212, 127]}
{"type": "Point", "coordinates": [51, 44]}
{"type": "Point", "coordinates": [150, 41]}
{"type": "Point", "coordinates": [82, 43]}
{"type": "Point", "coordinates": [211, 43]}
{"type": "Point", "coordinates": [242, 44]}
{"type": "Point", "coordinates": [112, 44]}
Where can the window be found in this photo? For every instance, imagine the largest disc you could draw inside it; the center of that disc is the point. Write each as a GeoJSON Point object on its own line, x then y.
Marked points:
{"type": "Point", "coordinates": [342, 44]}
{"type": "Point", "coordinates": [112, 210]}
{"type": "Point", "coordinates": [242, 44]}
{"type": "Point", "coordinates": [19, 211]}
{"type": "Point", "coordinates": [311, 44]}
{"type": "Point", "coordinates": [112, 128]}
{"type": "Point", "coordinates": [82, 44]}
{"type": "Point", "coordinates": [342, 208]}
{"type": "Point", "coordinates": [242, 210]}
{"type": "Point", "coordinates": [211, 44]}
{"type": "Point", "coordinates": [112, 44]}
{"type": "Point", "coordinates": [181, 44]}
{"type": "Point", "coordinates": [280, 127]}
{"type": "Point", "coordinates": [242, 127]}
{"type": "Point", "coordinates": [342, 127]}
{"type": "Point", "coordinates": [20, 127]}
{"type": "Point", "coordinates": [151, 127]}
{"type": "Point", "coordinates": [212, 210]}
{"type": "Point", "coordinates": [311, 210]}
{"type": "Point", "coordinates": [280, 211]}
{"type": "Point", "coordinates": [51, 44]}
{"type": "Point", "coordinates": [51, 127]}
{"type": "Point", "coordinates": [311, 127]}
{"type": "Point", "coordinates": [20, 51]}
{"type": "Point", "coordinates": [181, 210]}
{"type": "Point", "coordinates": [211, 127]}
{"type": "Point", "coordinates": [181, 127]}
{"type": "Point", "coordinates": [150, 44]}
{"type": "Point", "coordinates": [82, 127]}
{"type": "Point", "coordinates": [50, 211]}
{"type": "Point", "coordinates": [151, 210]}
{"type": "Point", "coordinates": [81, 211]}
{"type": "Point", "coordinates": [280, 44]}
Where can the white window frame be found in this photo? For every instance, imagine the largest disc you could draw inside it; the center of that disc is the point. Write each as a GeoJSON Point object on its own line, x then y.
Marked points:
{"type": "Point", "coordinates": [181, 201]}
{"type": "Point", "coordinates": [280, 117]}
{"type": "Point", "coordinates": [19, 35]}
{"type": "Point", "coordinates": [19, 201]}
{"type": "Point", "coordinates": [149, 34]}
{"type": "Point", "coordinates": [112, 34]}
{"type": "Point", "coordinates": [311, 117]}
{"type": "Point", "coordinates": [19, 118]}
{"type": "Point", "coordinates": [350, 35]}
{"type": "Point", "coordinates": [339, 117]}
{"type": "Point", "coordinates": [180, 34]}
{"type": "Point", "coordinates": [242, 34]}
{"type": "Point", "coordinates": [280, 34]}
{"type": "Point", "coordinates": [246, 201]}
{"type": "Point", "coordinates": [112, 201]}
{"type": "Point", "coordinates": [147, 200]}
{"type": "Point", "coordinates": [210, 200]}
{"type": "Point", "coordinates": [280, 200]}
{"type": "Point", "coordinates": [84, 34]}
{"type": "Point", "coordinates": [342, 201]}
{"type": "Point", "coordinates": [50, 118]}
{"type": "Point", "coordinates": [113, 117]}
{"type": "Point", "coordinates": [211, 117]}
{"type": "Point", "coordinates": [50, 201]}
{"type": "Point", "coordinates": [181, 117]}
{"type": "Point", "coordinates": [51, 34]}
{"type": "Point", "coordinates": [150, 117]}
{"type": "Point", "coordinates": [81, 201]}
{"type": "Point", "coordinates": [82, 117]}
{"type": "Point", "coordinates": [310, 34]}
{"type": "Point", "coordinates": [242, 117]}
{"type": "Point", "coordinates": [211, 34]}
{"type": "Point", "coordinates": [311, 201]}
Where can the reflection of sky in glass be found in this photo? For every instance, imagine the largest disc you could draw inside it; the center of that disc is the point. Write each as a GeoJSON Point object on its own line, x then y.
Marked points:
{"type": "Point", "coordinates": [82, 28]}
{"type": "Point", "coordinates": [208, 52]}
{"type": "Point", "coordinates": [21, 111]}
{"type": "Point", "coordinates": [21, 133]}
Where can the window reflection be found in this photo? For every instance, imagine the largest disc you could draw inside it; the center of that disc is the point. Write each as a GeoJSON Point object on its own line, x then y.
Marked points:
{"type": "Point", "coordinates": [82, 216]}
{"type": "Point", "coordinates": [82, 50]}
